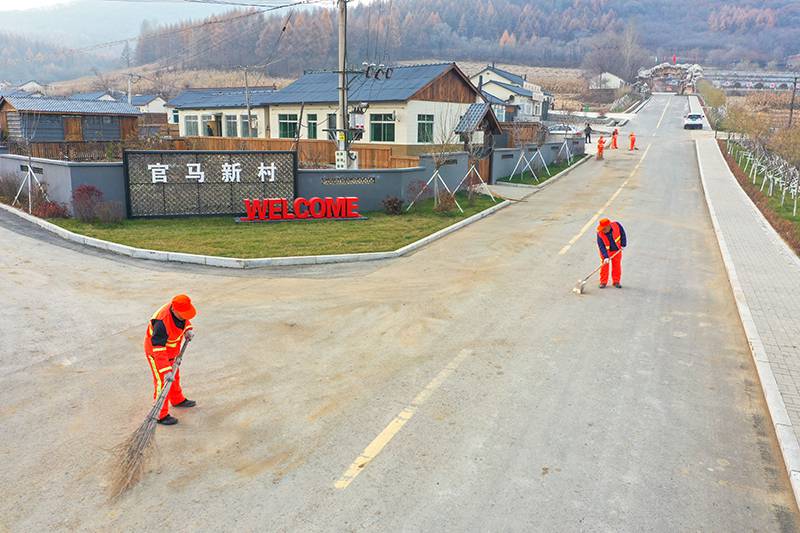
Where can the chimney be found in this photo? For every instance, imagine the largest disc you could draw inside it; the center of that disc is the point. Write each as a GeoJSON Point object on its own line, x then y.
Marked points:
{"type": "Point", "coordinates": [480, 83]}
{"type": "Point", "coordinates": [492, 64]}
{"type": "Point", "coordinates": [525, 77]}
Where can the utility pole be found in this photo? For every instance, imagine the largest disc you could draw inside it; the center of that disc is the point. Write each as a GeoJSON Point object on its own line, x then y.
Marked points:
{"type": "Point", "coordinates": [247, 103]}
{"type": "Point", "coordinates": [791, 106]}
{"type": "Point", "coordinates": [344, 125]}
{"type": "Point", "coordinates": [130, 99]}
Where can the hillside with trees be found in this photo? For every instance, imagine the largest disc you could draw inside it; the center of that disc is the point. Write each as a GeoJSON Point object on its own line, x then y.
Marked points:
{"type": "Point", "coordinates": [25, 59]}
{"type": "Point", "coordinates": [545, 32]}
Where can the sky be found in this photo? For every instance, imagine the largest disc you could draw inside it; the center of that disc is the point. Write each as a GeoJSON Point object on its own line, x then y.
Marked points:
{"type": "Point", "coordinates": [13, 5]}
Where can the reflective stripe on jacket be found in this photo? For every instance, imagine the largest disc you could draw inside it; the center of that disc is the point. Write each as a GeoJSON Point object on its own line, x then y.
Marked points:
{"type": "Point", "coordinates": [165, 333]}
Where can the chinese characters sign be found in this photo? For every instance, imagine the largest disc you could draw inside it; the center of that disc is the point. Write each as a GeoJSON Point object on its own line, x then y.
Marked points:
{"type": "Point", "coordinates": [168, 183]}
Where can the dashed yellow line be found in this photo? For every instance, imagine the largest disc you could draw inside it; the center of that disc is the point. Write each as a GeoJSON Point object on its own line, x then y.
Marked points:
{"type": "Point", "coordinates": [379, 443]}
{"type": "Point", "coordinates": [600, 211]}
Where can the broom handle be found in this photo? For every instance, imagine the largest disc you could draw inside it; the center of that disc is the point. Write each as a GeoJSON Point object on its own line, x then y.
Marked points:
{"type": "Point", "coordinates": [601, 265]}
{"type": "Point", "coordinates": [169, 379]}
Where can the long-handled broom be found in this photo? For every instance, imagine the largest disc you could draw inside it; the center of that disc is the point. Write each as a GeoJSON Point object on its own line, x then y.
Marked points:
{"type": "Point", "coordinates": [132, 454]}
{"type": "Point", "coordinates": [578, 289]}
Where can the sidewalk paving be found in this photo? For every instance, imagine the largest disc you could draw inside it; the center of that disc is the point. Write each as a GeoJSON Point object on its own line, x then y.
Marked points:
{"type": "Point", "coordinates": [765, 277]}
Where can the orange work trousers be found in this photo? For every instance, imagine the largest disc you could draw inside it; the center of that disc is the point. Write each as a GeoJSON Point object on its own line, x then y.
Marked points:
{"type": "Point", "coordinates": [614, 142]}
{"type": "Point", "coordinates": [633, 143]}
{"type": "Point", "coordinates": [616, 269]}
{"type": "Point", "coordinates": [160, 368]}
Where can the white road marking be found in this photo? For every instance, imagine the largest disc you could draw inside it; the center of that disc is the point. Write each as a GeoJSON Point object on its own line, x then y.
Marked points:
{"type": "Point", "coordinates": [383, 438]}
{"type": "Point", "coordinates": [600, 211]}
{"type": "Point", "coordinates": [663, 114]}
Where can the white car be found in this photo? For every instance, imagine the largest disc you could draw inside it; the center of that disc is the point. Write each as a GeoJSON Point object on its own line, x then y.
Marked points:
{"type": "Point", "coordinates": [692, 121]}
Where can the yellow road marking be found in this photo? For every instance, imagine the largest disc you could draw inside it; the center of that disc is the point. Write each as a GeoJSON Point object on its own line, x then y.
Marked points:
{"type": "Point", "coordinates": [596, 216]}
{"type": "Point", "coordinates": [663, 113]}
{"type": "Point", "coordinates": [383, 438]}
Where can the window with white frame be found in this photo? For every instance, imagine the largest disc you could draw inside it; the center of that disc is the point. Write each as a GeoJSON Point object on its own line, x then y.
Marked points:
{"type": "Point", "coordinates": [312, 126]}
{"type": "Point", "coordinates": [205, 125]}
{"type": "Point", "coordinates": [231, 126]}
{"type": "Point", "coordinates": [424, 128]}
{"type": "Point", "coordinates": [191, 126]}
{"type": "Point", "coordinates": [381, 127]}
{"type": "Point", "coordinates": [175, 116]}
{"type": "Point", "coordinates": [287, 126]}
{"type": "Point", "coordinates": [249, 130]}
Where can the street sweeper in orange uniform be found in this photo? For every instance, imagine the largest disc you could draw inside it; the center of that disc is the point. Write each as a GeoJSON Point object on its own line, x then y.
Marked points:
{"type": "Point", "coordinates": [168, 329]}
{"type": "Point", "coordinates": [611, 239]}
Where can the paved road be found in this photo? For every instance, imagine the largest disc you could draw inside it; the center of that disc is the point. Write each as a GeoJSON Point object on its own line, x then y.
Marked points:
{"type": "Point", "coordinates": [461, 388]}
{"type": "Point", "coordinates": [769, 294]}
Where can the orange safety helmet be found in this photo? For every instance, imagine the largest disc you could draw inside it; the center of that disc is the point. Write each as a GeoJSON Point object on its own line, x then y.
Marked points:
{"type": "Point", "coordinates": [604, 223]}
{"type": "Point", "coordinates": [183, 305]}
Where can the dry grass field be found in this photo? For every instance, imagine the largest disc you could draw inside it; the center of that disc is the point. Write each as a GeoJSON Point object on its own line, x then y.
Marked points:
{"type": "Point", "coordinates": [169, 82]}
{"type": "Point", "coordinates": [567, 84]}
{"type": "Point", "coordinates": [770, 105]}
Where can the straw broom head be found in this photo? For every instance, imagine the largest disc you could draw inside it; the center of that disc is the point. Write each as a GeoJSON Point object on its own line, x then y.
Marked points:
{"type": "Point", "coordinates": [131, 455]}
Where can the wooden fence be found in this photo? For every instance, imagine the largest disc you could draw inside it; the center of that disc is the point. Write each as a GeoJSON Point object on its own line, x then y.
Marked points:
{"type": "Point", "coordinates": [311, 153]}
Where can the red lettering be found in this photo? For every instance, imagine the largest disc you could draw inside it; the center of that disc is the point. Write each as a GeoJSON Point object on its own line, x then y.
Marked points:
{"type": "Point", "coordinates": [316, 206]}
{"type": "Point", "coordinates": [285, 209]}
{"type": "Point", "coordinates": [278, 208]}
{"type": "Point", "coordinates": [274, 209]}
{"type": "Point", "coordinates": [335, 207]}
{"type": "Point", "coordinates": [300, 206]}
{"type": "Point", "coordinates": [352, 207]}
{"type": "Point", "coordinates": [254, 209]}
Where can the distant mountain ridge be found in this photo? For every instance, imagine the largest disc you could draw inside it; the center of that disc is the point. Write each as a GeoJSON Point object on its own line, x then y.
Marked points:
{"type": "Point", "coordinates": [530, 32]}
{"type": "Point", "coordinates": [539, 32]}
{"type": "Point", "coordinates": [86, 22]}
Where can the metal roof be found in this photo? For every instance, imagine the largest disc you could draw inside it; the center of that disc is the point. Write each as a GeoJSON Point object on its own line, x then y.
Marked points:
{"type": "Point", "coordinates": [221, 97]}
{"type": "Point", "coordinates": [513, 78]}
{"type": "Point", "coordinates": [322, 87]}
{"type": "Point", "coordinates": [14, 91]}
{"type": "Point", "coordinates": [492, 99]}
{"type": "Point", "coordinates": [142, 99]}
{"type": "Point", "coordinates": [65, 105]}
{"type": "Point", "coordinates": [513, 88]}
{"type": "Point", "coordinates": [96, 95]}
{"type": "Point", "coordinates": [472, 119]}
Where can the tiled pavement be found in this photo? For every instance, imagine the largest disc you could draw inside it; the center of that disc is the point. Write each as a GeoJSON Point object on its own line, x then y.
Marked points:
{"type": "Point", "coordinates": [765, 277]}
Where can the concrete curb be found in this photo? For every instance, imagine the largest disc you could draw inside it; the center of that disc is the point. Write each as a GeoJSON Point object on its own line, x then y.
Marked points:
{"type": "Point", "coordinates": [232, 262]}
{"type": "Point", "coordinates": [787, 438]}
{"type": "Point", "coordinates": [537, 188]}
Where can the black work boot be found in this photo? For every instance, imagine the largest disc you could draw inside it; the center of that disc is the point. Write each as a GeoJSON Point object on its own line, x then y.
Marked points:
{"type": "Point", "coordinates": [168, 420]}
{"type": "Point", "coordinates": [618, 285]}
{"type": "Point", "coordinates": [602, 285]}
{"type": "Point", "coordinates": [186, 403]}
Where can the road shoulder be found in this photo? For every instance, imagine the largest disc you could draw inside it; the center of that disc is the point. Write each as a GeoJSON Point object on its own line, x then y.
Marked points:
{"type": "Point", "coordinates": [731, 210]}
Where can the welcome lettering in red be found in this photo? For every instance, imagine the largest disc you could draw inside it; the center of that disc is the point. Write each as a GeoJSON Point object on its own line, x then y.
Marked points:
{"type": "Point", "coordinates": [302, 208]}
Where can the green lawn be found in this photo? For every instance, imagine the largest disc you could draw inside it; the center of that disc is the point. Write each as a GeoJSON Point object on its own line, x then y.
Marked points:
{"type": "Point", "coordinates": [221, 236]}
{"type": "Point", "coordinates": [555, 168]}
